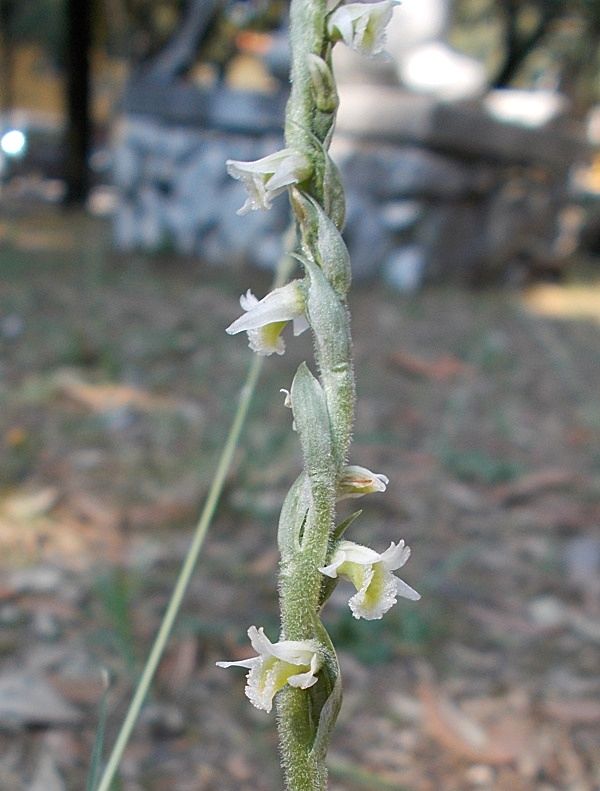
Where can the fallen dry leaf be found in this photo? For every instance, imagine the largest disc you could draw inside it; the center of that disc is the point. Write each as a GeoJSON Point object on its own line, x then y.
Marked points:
{"type": "Point", "coordinates": [534, 484]}
{"type": "Point", "coordinates": [30, 505]}
{"type": "Point", "coordinates": [178, 667]}
{"type": "Point", "coordinates": [573, 712]}
{"type": "Point", "coordinates": [441, 369]}
{"type": "Point", "coordinates": [445, 722]}
{"type": "Point", "coordinates": [107, 397]}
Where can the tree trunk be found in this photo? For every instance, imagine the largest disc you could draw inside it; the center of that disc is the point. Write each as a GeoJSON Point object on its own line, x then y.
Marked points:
{"type": "Point", "coordinates": [78, 133]}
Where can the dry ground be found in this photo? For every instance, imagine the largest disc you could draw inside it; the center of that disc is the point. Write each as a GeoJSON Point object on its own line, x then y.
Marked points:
{"type": "Point", "coordinates": [117, 384]}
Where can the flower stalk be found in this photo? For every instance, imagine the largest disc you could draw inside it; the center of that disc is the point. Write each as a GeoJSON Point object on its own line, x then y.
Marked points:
{"type": "Point", "coordinates": [301, 670]}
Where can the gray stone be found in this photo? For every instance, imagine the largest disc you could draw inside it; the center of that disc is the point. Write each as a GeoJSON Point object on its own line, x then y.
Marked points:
{"type": "Point", "coordinates": [404, 269]}
{"type": "Point", "coordinates": [433, 190]}
{"type": "Point", "coordinates": [403, 172]}
{"type": "Point", "coordinates": [367, 239]}
{"type": "Point", "coordinates": [125, 225]}
{"type": "Point", "coordinates": [401, 215]}
{"type": "Point", "coordinates": [27, 699]}
{"type": "Point", "coordinates": [388, 114]}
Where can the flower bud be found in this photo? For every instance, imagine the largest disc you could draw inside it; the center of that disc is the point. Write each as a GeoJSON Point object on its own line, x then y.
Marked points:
{"type": "Point", "coordinates": [357, 481]}
{"type": "Point", "coordinates": [323, 83]}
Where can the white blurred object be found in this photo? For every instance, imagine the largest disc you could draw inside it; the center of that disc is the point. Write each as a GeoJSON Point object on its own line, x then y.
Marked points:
{"type": "Point", "coordinates": [437, 69]}
{"type": "Point", "coordinates": [532, 109]}
{"type": "Point", "coordinates": [593, 125]}
{"type": "Point", "coordinates": [412, 25]}
{"type": "Point", "coordinates": [404, 270]}
{"type": "Point", "coordinates": [417, 23]}
{"type": "Point", "coordinates": [13, 143]}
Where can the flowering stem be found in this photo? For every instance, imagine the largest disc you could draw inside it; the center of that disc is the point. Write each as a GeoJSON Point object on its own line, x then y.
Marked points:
{"type": "Point", "coordinates": [301, 669]}
{"type": "Point", "coordinates": [323, 410]}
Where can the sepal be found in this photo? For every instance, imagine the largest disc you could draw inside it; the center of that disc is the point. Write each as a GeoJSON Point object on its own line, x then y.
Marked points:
{"type": "Point", "coordinates": [312, 424]}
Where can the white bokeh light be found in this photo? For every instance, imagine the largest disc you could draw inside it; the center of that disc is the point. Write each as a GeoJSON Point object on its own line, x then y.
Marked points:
{"type": "Point", "coordinates": [13, 143]}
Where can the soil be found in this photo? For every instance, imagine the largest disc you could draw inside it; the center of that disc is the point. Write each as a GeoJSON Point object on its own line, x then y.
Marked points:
{"type": "Point", "coordinates": [117, 388]}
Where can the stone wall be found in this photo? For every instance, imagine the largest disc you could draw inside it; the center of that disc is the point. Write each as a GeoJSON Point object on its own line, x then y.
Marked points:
{"type": "Point", "coordinates": [434, 191]}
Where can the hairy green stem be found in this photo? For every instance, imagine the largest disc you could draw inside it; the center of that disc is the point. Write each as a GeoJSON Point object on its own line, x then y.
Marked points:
{"type": "Point", "coordinates": [307, 36]}
{"type": "Point", "coordinates": [323, 411]}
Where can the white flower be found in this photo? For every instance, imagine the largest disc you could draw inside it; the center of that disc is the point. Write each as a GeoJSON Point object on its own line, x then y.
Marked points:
{"type": "Point", "coordinates": [371, 574]}
{"type": "Point", "coordinates": [265, 319]}
{"type": "Point", "coordinates": [361, 25]}
{"type": "Point", "coordinates": [293, 662]}
{"type": "Point", "coordinates": [356, 481]}
{"type": "Point", "coordinates": [266, 178]}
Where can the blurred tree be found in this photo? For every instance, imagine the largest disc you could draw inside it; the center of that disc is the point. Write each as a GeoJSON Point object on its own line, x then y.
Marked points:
{"type": "Point", "coordinates": [174, 34]}
{"type": "Point", "coordinates": [7, 13]}
{"type": "Point", "coordinates": [557, 40]}
{"type": "Point", "coordinates": [78, 129]}
{"type": "Point", "coordinates": [20, 23]}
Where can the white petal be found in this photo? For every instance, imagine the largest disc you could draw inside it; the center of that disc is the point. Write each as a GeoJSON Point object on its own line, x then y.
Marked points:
{"type": "Point", "coordinates": [306, 680]}
{"type": "Point", "coordinates": [248, 301]}
{"type": "Point", "coordinates": [303, 680]}
{"type": "Point", "coordinates": [395, 556]}
{"type": "Point", "coordinates": [259, 641]}
{"type": "Point", "coordinates": [247, 663]}
{"type": "Point", "coordinates": [300, 325]}
{"type": "Point", "coordinates": [362, 25]}
{"type": "Point", "coordinates": [331, 570]}
{"type": "Point", "coordinates": [263, 345]}
{"type": "Point", "coordinates": [281, 304]}
{"type": "Point", "coordinates": [402, 589]}
{"type": "Point", "coordinates": [266, 178]}
{"type": "Point", "coordinates": [357, 553]}
{"type": "Point", "coordinates": [295, 652]}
